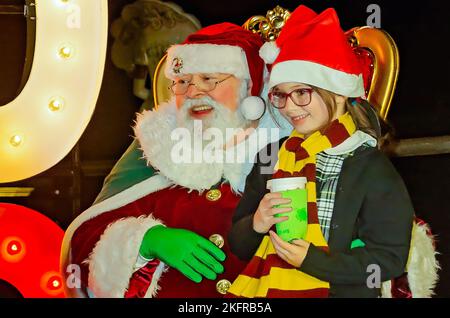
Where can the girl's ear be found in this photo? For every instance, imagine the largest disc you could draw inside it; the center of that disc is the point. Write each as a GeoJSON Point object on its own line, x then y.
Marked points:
{"type": "Point", "coordinates": [340, 105]}
{"type": "Point", "coordinates": [340, 100]}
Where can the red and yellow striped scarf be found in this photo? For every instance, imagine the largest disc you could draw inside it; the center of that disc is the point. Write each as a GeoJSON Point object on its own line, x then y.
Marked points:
{"type": "Point", "coordinates": [267, 275]}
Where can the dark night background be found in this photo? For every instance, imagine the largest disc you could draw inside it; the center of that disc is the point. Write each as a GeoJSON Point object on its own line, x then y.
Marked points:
{"type": "Point", "coordinates": [420, 108]}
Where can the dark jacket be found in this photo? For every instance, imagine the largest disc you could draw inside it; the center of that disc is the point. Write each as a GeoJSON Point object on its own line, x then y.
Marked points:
{"type": "Point", "coordinates": [371, 204]}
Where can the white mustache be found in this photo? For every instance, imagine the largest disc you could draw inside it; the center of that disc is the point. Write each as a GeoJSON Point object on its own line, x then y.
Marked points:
{"type": "Point", "coordinates": [221, 118]}
{"type": "Point", "coordinates": [191, 102]}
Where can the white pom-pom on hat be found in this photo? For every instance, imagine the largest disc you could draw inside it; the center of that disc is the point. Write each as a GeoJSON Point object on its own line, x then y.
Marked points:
{"type": "Point", "coordinates": [253, 107]}
{"type": "Point", "coordinates": [269, 52]}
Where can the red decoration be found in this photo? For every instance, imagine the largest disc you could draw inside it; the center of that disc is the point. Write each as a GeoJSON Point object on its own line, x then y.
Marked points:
{"type": "Point", "coordinates": [30, 245]}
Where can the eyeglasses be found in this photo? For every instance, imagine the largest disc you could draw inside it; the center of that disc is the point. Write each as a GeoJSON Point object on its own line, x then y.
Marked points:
{"type": "Point", "coordinates": [300, 97]}
{"type": "Point", "coordinates": [204, 84]}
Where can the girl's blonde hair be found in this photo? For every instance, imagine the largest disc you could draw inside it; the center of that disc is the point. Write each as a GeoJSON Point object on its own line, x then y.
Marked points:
{"type": "Point", "coordinates": [357, 111]}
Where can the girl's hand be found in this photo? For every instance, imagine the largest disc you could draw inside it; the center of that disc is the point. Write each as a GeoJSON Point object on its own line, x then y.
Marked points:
{"type": "Point", "coordinates": [264, 217]}
{"type": "Point", "coordinates": [293, 253]}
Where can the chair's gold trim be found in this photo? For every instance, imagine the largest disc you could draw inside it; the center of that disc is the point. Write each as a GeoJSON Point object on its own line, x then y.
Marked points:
{"type": "Point", "coordinates": [161, 92]}
{"type": "Point", "coordinates": [386, 65]}
{"type": "Point", "coordinates": [268, 27]}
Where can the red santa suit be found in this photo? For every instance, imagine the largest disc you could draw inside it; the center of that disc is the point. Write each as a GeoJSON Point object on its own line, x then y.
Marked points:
{"type": "Point", "coordinates": [175, 207]}
{"type": "Point", "coordinates": [105, 240]}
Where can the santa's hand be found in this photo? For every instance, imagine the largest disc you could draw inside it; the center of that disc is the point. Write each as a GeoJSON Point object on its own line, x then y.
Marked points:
{"type": "Point", "coordinates": [265, 216]}
{"type": "Point", "coordinates": [191, 254]}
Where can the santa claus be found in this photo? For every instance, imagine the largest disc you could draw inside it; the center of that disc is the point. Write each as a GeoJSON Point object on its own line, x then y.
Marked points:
{"type": "Point", "coordinates": [166, 236]}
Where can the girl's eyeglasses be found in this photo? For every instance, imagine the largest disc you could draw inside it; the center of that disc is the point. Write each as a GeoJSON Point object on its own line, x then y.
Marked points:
{"type": "Point", "coordinates": [300, 97]}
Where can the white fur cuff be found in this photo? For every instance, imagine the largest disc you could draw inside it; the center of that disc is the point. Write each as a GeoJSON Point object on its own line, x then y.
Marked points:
{"type": "Point", "coordinates": [422, 264]}
{"type": "Point", "coordinates": [112, 261]}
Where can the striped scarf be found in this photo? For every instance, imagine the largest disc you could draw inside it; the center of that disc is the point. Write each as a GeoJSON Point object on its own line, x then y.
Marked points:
{"type": "Point", "coordinates": [267, 275]}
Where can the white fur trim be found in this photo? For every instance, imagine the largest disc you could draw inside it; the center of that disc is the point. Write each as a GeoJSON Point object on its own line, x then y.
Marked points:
{"type": "Point", "coordinates": [422, 267]}
{"type": "Point", "coordinates": [207, 58]}
{"type": "Point", "coordinates": [422, 264]}
{"type": "Point", "coordinates": [318, 75]}
{"type": "Point", "coordinates": [253, 107]}
{"type": "Point", "coordinates": [111, 263]}
{"type": "Point", "coordinates": [269, 52]}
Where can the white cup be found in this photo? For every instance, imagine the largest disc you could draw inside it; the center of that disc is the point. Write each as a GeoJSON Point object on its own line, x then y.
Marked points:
{"type": "Point", "coordinates": [284, 184]}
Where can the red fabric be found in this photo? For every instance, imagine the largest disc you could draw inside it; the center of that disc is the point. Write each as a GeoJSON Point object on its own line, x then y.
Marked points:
{"type": "Point", "coordinates": [141, 280]}
{"type": "Point", "coordinates": [234, 35]}
{"type": "Point", "coordinates": [294, 144]}
{"type": "Point", "coordinates": [175, 208]}
{"type": "Point", "coordinates": [313, 213]}
{"type": "Point", "coordinates": [320, 38]}
{"type": "Point", "coordinates": [400, 287]}
{"type": "Point", "coordinates": [336, 133]}
{"type": "Point", "coordinates": [367, 61]}
{"type": "Point", "coordinates": [309, 293]}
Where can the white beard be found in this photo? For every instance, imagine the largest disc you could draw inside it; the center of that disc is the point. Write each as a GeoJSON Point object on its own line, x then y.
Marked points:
{"type": "Point", "coordinates": [154, 128]}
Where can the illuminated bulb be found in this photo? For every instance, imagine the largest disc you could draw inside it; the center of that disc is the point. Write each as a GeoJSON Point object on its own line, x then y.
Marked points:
{"type": "Point", "coordinates": [65, 52]}
{"type": "Point", "coordinates": [13, 248]}
{"type": "Point", "coordinates": [56, 104]}
{"type": "Point", "coordinates": [53, 282]}
{"type": "Point", "coordinates": [16, 140]}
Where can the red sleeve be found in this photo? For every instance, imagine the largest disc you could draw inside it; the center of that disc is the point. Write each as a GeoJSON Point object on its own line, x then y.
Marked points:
{"type": "Point", "coordinates": [88, 234]}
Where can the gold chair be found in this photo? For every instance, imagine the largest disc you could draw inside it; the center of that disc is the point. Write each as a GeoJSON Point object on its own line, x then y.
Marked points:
{"type": "Point", "coordinates": [377, 48]}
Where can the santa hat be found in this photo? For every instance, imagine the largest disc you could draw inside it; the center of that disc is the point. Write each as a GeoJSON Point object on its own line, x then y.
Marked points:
{"type": "Point", "coordinates": [313, 49]}
{"type": "Point", "coordinates": [222, 48]}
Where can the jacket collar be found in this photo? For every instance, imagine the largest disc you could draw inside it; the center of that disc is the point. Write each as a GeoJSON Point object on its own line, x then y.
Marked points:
{"type": "Point", "coordinates": [352, 143]}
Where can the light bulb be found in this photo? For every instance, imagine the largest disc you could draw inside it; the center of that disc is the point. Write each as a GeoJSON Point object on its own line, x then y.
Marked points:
{"type": "Point", "coordinates": [16, 140]}
{"type": "Point", "coordinates": [65, 52]}
{"type": "Point", "coordinates": [13, 248]}
{"type": "Point", "coordinates": [56, 104]}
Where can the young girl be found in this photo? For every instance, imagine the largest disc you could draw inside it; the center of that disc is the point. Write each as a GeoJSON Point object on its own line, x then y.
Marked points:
{"type": "Point", "coordinates": [360, 215]}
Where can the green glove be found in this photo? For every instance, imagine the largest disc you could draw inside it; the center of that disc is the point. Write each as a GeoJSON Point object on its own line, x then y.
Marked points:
{"type": "Point", "coordinates": [191, 254]}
